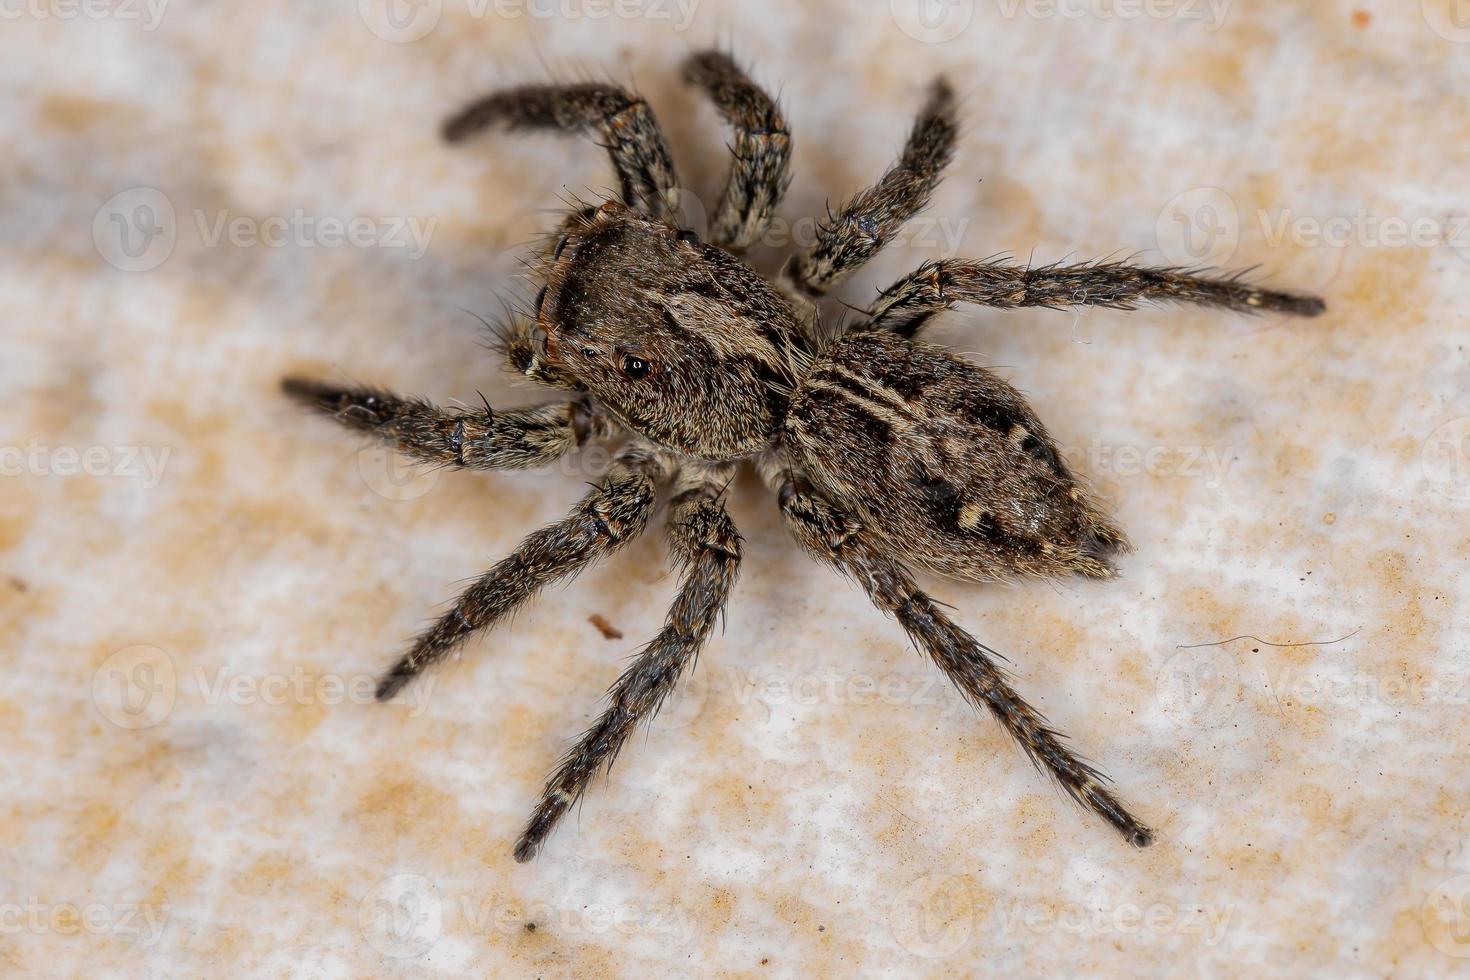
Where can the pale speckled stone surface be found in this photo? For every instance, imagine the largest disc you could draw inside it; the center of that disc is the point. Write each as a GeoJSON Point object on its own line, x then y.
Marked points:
{"type": "Point", "coordinates": [817, 803]}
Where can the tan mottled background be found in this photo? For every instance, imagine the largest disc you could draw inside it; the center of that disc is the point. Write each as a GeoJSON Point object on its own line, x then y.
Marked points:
{"type": "Point", "coordinates": [197, 582]}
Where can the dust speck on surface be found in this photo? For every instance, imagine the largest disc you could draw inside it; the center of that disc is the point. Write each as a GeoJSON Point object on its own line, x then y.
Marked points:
{"type": "Point", "coordinates": [608, 630]}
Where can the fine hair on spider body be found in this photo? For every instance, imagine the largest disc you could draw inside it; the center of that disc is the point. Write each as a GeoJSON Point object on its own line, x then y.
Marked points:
{"type": "Point", "coordinates": [885, 453]}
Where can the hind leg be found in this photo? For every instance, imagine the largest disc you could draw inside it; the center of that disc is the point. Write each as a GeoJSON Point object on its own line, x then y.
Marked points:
{"type": "Point", "coordinates": [829, 534]}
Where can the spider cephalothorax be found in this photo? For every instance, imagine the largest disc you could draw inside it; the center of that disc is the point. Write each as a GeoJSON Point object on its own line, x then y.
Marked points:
{"type": "Point", "coordinates": [680, 341]}
{"type": "Point", "coordinates": [885, 452]}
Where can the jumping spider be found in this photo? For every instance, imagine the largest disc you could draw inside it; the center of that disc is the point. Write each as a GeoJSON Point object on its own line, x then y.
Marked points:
{"type": "Point", "coordinates": [885, 452]}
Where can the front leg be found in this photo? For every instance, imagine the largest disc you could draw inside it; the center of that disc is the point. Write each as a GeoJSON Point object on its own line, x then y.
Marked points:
{"type": "Point", "coordinates": [830, 534]}
{"type": "Point", "coordinates": [866, 223]}
{"type": "Point", "coordinates": [908, 304]}
{"type": "Point", "coordinates": [761, 171]}
{"type": "Point", "coordinates": [479, 440]}
{"type": "Point", "coordinates": [629, 131]}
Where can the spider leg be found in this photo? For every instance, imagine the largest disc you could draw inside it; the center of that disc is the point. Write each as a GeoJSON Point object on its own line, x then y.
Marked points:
{"type": "Point", "coordinates": [868, 221]}
{"type": "Point", "coordinates": [478, 440]}
{"type": "Point", "coordinates": [761, 170]}
{"type": "Point", "coordinates": [705, 543]}
{"type": "Point", "coordinates": [904, 307]}
{"type": "Point", "coordinates": [614, 513]}
{"type": "Point", "coordinates": [831, 535]}
{"type": "Point", "coordinates": [630, 132]}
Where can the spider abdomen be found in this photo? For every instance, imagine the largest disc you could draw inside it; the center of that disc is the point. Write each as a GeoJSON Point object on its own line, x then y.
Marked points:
{"type": "Point", "coordinates": [945, 461]}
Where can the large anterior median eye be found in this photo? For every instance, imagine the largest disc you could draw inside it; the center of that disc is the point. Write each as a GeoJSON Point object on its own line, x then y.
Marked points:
{"type": "Point", "coordinates": [636, 367]}
{"type": "Point", "coordinates": [685, 235]}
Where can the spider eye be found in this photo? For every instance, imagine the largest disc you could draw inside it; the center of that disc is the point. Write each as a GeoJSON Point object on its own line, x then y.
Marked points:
{"type": "Point", "coordinates": [588, 352]}
{"type": "Point", "coordinates": [687, 236]}
{"type": "Point", "coordinates": [636, 367]}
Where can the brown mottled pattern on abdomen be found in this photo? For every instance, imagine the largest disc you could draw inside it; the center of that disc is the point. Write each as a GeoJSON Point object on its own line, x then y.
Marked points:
{"type": "Point", "coordinates": [946, 462]}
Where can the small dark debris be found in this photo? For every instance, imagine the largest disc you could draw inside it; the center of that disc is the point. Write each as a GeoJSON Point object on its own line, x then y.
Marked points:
{"type": "Point", "coordinates": [608, 630]}
{"type": "Point", "coordinates": [530, 927]}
